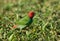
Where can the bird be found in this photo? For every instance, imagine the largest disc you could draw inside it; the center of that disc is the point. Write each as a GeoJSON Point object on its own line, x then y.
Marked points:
{"type": "Point", "coordinates": [23, 23]}
{"type": "Point", "coordinates": [26, 21]}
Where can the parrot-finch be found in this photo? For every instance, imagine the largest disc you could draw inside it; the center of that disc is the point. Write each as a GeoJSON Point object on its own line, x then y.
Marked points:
{"type": "Point", "coordinates": [26, 21]}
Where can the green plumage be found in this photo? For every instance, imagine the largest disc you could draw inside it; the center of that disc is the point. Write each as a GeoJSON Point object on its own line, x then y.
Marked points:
{"type": "Point", "coordinates": [24, 22]}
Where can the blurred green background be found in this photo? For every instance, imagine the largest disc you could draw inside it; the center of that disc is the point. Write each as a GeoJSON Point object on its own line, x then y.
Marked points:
{"type": "Point", "coordinates": [46, 24]}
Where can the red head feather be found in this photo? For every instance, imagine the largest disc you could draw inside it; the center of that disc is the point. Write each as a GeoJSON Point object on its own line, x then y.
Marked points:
{"type": "Point", "coordinates": [31, 14]}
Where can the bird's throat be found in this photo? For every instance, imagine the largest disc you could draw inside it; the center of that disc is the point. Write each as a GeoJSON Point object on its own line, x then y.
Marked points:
{"type": "Point", "coordinates": [29, 22]}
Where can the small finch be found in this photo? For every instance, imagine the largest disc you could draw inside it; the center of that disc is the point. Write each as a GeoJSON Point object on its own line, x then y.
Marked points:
{"type": "Point", "coordinates": [26, 21]}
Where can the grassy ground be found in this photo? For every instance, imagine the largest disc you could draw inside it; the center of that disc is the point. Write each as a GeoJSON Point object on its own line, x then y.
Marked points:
{"type": "Point", "coordinates": [47, 20]}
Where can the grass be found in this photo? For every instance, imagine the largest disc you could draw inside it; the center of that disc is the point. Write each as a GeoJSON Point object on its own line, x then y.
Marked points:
{"type": "Point", "coordinates": [46, 24]}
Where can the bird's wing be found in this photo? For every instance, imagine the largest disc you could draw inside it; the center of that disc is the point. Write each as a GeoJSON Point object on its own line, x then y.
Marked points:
{"type": "Point", "coordinates": [23, 21]}
{"type": "Point", "coordinates": [21, 26]}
